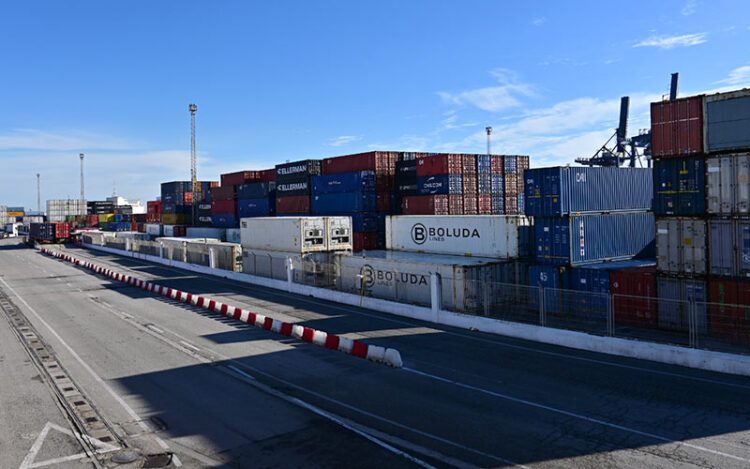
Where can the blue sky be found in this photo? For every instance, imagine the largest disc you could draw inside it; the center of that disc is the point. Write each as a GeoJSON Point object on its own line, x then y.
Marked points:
{"type": "Point", "coordinates": [287, 80]}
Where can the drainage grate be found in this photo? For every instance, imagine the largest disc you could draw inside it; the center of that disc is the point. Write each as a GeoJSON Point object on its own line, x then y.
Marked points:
{"type": "Point", "coordinates": [78, 406]}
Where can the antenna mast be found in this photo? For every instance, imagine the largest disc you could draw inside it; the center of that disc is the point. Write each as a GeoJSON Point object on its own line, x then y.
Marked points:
{"type": "Point", "coordinates": [193, 108]}
{"type": "Point", "coordinates": [489, 133]}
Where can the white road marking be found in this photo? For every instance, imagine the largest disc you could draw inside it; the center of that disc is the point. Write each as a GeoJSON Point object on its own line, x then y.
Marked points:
{"type": "Point", "coordinates": [189, 345]}
{"type": "Point", "coordinates": [29, 463]}
{"type": "Point", "coordinates": [456, 334]}
{"type": "Point", "coordinates": [575, 415]}
{"type": "Point", "coordinates": [153, 328]}
{"type": "Point", "coordinates": [129, 410]}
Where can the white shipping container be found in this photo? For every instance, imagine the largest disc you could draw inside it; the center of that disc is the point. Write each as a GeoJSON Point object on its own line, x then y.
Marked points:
{"type": "Point", "coordinates": [314, 268]}
{"type": "Point", "coordinates": [154, 229]}
{"type": "Point", "coordinates": [339, 231]}
{"type": "Point", "coordinates": [493, 236]}
{"type": "Point", "coordinates": [681, 246]}
{"type": "Point", "coordinates": [467, 283]}
{"type": "Point", "coordinates": [233, 235]}
{"type": "Point", "coordinates": [728, 184]}
{"type": "Point", "coordinates": [288, 234]}
{"type": "Point", "coordinates": [207, 232]}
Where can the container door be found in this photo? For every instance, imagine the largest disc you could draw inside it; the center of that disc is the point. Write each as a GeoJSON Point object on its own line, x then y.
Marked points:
{"type": "Point", "coordinates": [742, 185]}
{"type": "Point", "coordinates": [670, 307]}
{"type": "Point", "coordinates": [713, 185]}
{"type": "Point", "coordinates": [674, 246]}
{"type": "Point", "coordinates": [743, 247]}
{"type": "Point", "coordinates": [694, 246]}
{"type": "Point", "coordinates": [694, 291]}
{"type": "Point", "coordinates": [722, 247]}
{"type": "Point", "coordinates": [727, 177]}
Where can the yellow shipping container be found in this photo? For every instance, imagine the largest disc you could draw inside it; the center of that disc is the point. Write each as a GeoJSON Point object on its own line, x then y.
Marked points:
{"type": "Point", "coordinates": [174, 219]}
{"type": "Point", "coordinates": [106, 217]}
{"type": "Point", "coordinates": [16, 214]}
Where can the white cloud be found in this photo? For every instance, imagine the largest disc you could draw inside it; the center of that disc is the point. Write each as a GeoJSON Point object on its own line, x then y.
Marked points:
{"type": "Point", "coordinates": [689, 8]}
{"type": "Point", "coordinates": [538, 21]}
{"type": "Point", "coordinates": [738, 77]}
{"type": "Point", "coordinates": [670, 42]}
{"type": "Point", "coordinates": [343, 140]}
{"type": "Point", "coordinates": [70, 140]}
{"type": "Point", "coordinates": [493, 98]}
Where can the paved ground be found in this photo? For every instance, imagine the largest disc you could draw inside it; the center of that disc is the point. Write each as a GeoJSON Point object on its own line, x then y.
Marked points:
{"type": "Point", "coordinates": [213, 390]}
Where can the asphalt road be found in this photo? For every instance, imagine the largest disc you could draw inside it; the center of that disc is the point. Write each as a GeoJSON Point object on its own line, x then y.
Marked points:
{"type": "Point", "coordinates": [215, 391]}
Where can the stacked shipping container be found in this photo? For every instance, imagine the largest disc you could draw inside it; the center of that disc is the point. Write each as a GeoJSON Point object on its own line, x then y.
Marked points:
{"type": "Point", "coordinates": [294, 186]}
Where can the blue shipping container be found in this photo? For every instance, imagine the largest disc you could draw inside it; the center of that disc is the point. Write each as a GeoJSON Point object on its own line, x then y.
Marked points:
{"type": "Point", "coordinates": [591, 238]}
{"type": "Point", "coordinates": [680, 186]}
{"type": "Point", "coordinates": [256, 190]}
{"type": "Point", "coordinates": [224, 221]}
{"type": "Point", "coordinates": [444, 184]}
{"type": "Point", "coordinates": [368, 222]}
{"type": "Point", "coordinates": [262, 207]}
{"type": "Point", "coordinates": [595, 278]}
{"type": "Point", "coordinates": [484, 183]}
{"type": "Point", "coordinates": [345, 203]}
{"type": "Point", "coordinates": [358, 181]}
{"type": "Point", "coordinates": [564, 190]}
{"type": "Point", "coordinates": [498, 184]}
{"type": "Point", "coordinates": [550, 278]}
{"type": "Point", "coordinates": [484, 164]}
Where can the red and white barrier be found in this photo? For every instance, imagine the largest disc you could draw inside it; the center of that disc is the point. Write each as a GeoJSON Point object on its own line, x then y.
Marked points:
{"type": "Point", "coordinates": [375, 353]}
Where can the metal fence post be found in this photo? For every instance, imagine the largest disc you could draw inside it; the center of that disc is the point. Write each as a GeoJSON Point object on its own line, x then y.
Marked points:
{"type": "Point", "coordinates": [692, 324]}
{"type": "Point", "coordinates": [611, 315]}
{"type": "Point", "coordinates": [161, 250]}
{"type": "Point", "coordinates": [436, 294]}
{"type": "Point", "coordinates": [542, 318]}
{"type": "Point", "coordinates": [289, 272]}
{"type": "Point", "coordinates": [127, 244]}
{"type": "Point", "coordinates": [212, 257]}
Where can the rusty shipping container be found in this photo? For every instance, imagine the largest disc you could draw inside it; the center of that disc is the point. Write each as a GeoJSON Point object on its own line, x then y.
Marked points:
{"type": "Point", "coordinates": [677, 127]}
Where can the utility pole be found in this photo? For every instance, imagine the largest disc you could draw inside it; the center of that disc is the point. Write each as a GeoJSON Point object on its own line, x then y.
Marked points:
{"type": "Point", "coordinates": [38, 194]}
{"type": "Point", "coordinates": [193, 108]}
{"type": "Point", "coordinates": [488, 129]}
{"type": "Point", "coordinates": [83, 196]}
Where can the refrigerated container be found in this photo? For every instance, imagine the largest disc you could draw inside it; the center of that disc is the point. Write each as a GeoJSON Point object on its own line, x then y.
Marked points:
{"type": "Point", "coordinates": [590, 238]}
{"type": "Point", "coordinates": [339, 233]}
{"type": "Point", "coordinates": [727, 121]}
{"type": "Point", "coordinates": [564, 190]}
{"type": "Point", "coordinates": [233, 235]}
{"type": "Point", "coordinates": [681, 246]}
{"type": "Point", "coordinates": [313, 268]}
{"type": "Point", "coordinates": [464, 235]}
{"type": "Point", "coordinates": [206, 233]}
{"type": "Point", "coordinates": [288, 234]}
{"type": "Point", "coordinates": [729, 247]}
{"type": "Point", "coordinates": [728, 184]}
{"type": "Point", "coordinates": [405, 277]}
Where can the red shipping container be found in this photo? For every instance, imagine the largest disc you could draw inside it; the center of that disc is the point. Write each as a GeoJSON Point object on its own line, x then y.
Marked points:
{"type": "Point", "coordinates": [268, 175]}
{"type": "Point", "coordinates": [469, 164]}
{"type": "Point", "coordinates": [382, 162]}
{"type": "Point", "coordinates": [470, 204]}
{"type": "Point", "coordinates": [92, 220]}
{"type": "Point", "coordinates": [425, 205]}
{"type": "Point", "coordinates": [223, 207]}
{"type": "Point", "coordinates": [293, 204]}
{"type": "Point", "coordinates": [511, 205]}
{"type": "Point", "coordinates": [677, 127]}
{"type": "Point", "coordinates": [497, 163]}
{"type": "Point", "coordinates": [470, 184]}
{"type": "Point", "coordinates": [634, 297]}
{"type": "Point", "coordinates": [224, 193]}
{"type": "Point", "coordinates": [729, 310]}
{"type": "Point", "coordinates": [385, 182]}
{"type": "Point", "coordinates": [187, 197]}
{"type": "Point", "coordinates": [384, 202]}
{"type": "Point", "coordinates": [62, 230]}
{"type": "Point", "coordinates": [455, 205]}
{"type": "Point", "coordinates": [435, 165]}
{"type": "Point", "coordinates": [365, 241]}
{"type": "Point", "coordinates": [179, 231]}
{"type": "Point", "coordinates": [239, 178]}
{"type": "Point", "coordinates": [484, 204]}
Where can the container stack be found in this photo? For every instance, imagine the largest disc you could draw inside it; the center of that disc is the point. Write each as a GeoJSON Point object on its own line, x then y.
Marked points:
{"type": "Point", "coordinates": [58, 210]}
{"type": "Point", "coordinates": [727, 147]}
{"type": "Point", "coordinates": [439, 185]}
{"type": "Point", "coordinates": [177, 203]}
{"type": "Point", "coordinates": [680, 207]}
{"type": "Point", "coordinates": [360, 186]}
{"type": "Point", "coordinates": [513, 180]}
{"type": "Point", "coordinates": [586, 218]}
{"type": "Point", "coordinates": [405, 180]}
{"type": "Point", "coordinates": [484, 184]}
{"type": "Point", "coordinates": [153, 211]}
{"type": "Point", "coordinates": [294, 187]}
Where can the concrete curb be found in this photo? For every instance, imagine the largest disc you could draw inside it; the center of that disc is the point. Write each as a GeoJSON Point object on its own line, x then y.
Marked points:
{"type": "Point", "coordinates": [387, 356]}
